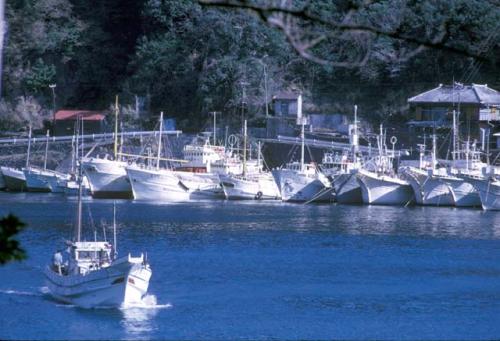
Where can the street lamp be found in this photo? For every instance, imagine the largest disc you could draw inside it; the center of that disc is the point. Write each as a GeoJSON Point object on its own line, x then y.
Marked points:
{"type": "Point", "coordinates": [53, 88]}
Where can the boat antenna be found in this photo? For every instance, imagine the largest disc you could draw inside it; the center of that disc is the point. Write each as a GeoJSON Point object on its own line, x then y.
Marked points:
{"type": "Point", "coordinates": [46, 150]}
{"type": "Point", "coordinates": [159, 142]}
{"type": "Point", "coordinates": [29, 147]}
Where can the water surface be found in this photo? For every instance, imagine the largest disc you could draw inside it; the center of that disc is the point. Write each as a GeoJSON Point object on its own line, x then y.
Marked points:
{"type": "Point", "coordinates": [255, 270]}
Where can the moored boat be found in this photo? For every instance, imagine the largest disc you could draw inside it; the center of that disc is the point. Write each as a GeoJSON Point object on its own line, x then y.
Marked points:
{"type": "Point", "coordinates": [15, 181]}
{"type": "Point", "coordinates": [383, 189]}
{"type": "Point", "coordinates": [107, 178]}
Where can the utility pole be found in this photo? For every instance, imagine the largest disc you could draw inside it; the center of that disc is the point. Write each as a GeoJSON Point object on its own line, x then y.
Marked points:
{"type": "Point", "coordinates": [53, 88]}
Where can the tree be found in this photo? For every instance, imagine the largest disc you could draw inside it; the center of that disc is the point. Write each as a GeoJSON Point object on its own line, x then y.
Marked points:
{"type": "Point", "coordinates": [352, 32]}
{"type": "Point", "coordinates": [10, 249]}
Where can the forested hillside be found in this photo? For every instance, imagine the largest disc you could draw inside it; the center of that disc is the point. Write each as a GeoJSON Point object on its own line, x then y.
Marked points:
{"type": "Point", "coordinates": [187, 59]}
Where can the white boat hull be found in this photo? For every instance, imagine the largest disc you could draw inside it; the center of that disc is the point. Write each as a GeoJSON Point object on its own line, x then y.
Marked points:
{"type": "Point", "coordinates": [489, 193]}
{"type": "Point", "coordinates": [172, 186]}
{"type": "Point", "coordinates": [107, 179]}
{"type": "Point", "coordinates": [297, 187]}
{"type": "Point", "coordinates": [2, 181]}
{"type": "Point", "coordinates": [256, 187]}
{"type": "Point", "coordinates": [14, 179]}
{"type": "Point", "coordinates": [429, 190]}
{"type": "Point", "coordinates": [40, 180]}
{"type": "Point", "coordinates": [384, 190]}
{"type": "Point", "coordinates": [463, 192]}
{"type": "Point", "coordinates": [122, 283]}
{"type": "Point", "coordinates": [347, 189]}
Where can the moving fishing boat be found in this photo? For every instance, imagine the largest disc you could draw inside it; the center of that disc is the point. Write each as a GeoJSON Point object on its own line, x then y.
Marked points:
{"type": "Point", "coordinates": [90, 275]}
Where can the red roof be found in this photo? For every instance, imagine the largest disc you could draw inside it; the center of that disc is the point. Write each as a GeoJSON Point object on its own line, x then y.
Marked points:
{"type": "Point", "coordinates": [73, 115]}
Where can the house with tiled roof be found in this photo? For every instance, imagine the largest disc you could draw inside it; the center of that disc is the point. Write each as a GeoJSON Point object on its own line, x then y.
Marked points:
{"type": "Point", "coordinates": [475, 102]}
{"type": "Point", "coordinates": [477, 107]}
{"type": "Point", "coordinates": [65, 122]}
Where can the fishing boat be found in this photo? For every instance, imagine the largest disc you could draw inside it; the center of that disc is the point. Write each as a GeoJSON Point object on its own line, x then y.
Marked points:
{"type": "Point", "coordinates": [107, 177]}
{"type": "Point", "coordinates": [40, 179]}
{"type": "Point", "coordinates": [15, 181]}
{"type": "Point", "coordinates": [427, 180]}
{"type": "Point", "coordinates": [301, 182]}
{"type": "Point", "coordinates": [488, 188]}
{"type": "Point", "coordinates": [380, 185]}
{"type": "Point", "coordinates": [89, 274]}
{"type": "Point", "coordinates": [106, 174]}
{"type": "Point", "coordinates": [2, 181]}
{"type": "Point", "coordinates": [255, 184]}
{"type": "Point", "coordinates": [197, 177]}
{"type": "Point", "coordinates": [341, 169]}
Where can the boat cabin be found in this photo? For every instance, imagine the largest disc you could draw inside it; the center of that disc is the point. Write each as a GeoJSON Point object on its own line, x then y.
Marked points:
{"type": "Point", "coordinates": [89, 256]}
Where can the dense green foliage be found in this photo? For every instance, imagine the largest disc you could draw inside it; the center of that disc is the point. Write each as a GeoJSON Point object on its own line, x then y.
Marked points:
{"type": "Point", "coordinates": [185, 59]}
{"type": "Point", "coordinates": [10, 250]}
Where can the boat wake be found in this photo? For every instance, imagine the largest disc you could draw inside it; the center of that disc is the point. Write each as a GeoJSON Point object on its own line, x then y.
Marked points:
{"type": "Point", "coordinates": [20, 293]}
{"type": "Point", "coordinates": [148, 302]}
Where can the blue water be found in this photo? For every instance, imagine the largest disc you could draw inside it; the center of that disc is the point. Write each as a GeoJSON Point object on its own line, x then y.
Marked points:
{"type": "Point", "coordinates": [247, 270]}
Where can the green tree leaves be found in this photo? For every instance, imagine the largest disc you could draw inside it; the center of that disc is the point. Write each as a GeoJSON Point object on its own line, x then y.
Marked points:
{"type": "Point", "coordinates": [10, 249]}
{"type": "Point", "coordinates": [39, 76]}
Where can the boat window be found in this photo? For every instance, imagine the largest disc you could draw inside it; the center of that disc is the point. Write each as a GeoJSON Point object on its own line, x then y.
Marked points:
{"type": "Point", "coordinates": [85, 254]}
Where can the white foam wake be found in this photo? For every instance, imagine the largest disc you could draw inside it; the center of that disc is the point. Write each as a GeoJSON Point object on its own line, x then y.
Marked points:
{"type": "Point", "coordinates": [148, 302]}
{"type": "Point", "coordinates": [19, 293]}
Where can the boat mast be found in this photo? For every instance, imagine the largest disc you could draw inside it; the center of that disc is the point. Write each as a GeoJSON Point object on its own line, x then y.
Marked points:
{"type": "Point", "coordinates": [159, 142]}
{"type": "Point", "coordinates": [244, 147]}
{"type": "Point", "coordinates": [78, 229]}
{"type": "Point", "coordinates": [73, 155]}
{"type": "Point", "coordinates": [214, 113]}
{"type": "Point", "coordinates": [258, 157]}
{"type": "Point", "coordinates": [116, 129]}
{"type": "Point", "coordinates": [434, 150]}
{"type": "Point", "coordinates": [355, 139]}
{"type": "Point", "coordinates": [379, 142]}
{"type": "Point", "coordinates": [46, 150]}
{"type": "Point", "coordinates": [29, 148]}
{"type": "Point", "coordinates": [114, 230]}
{"type": "Point", "coordinates": [302, 133]}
